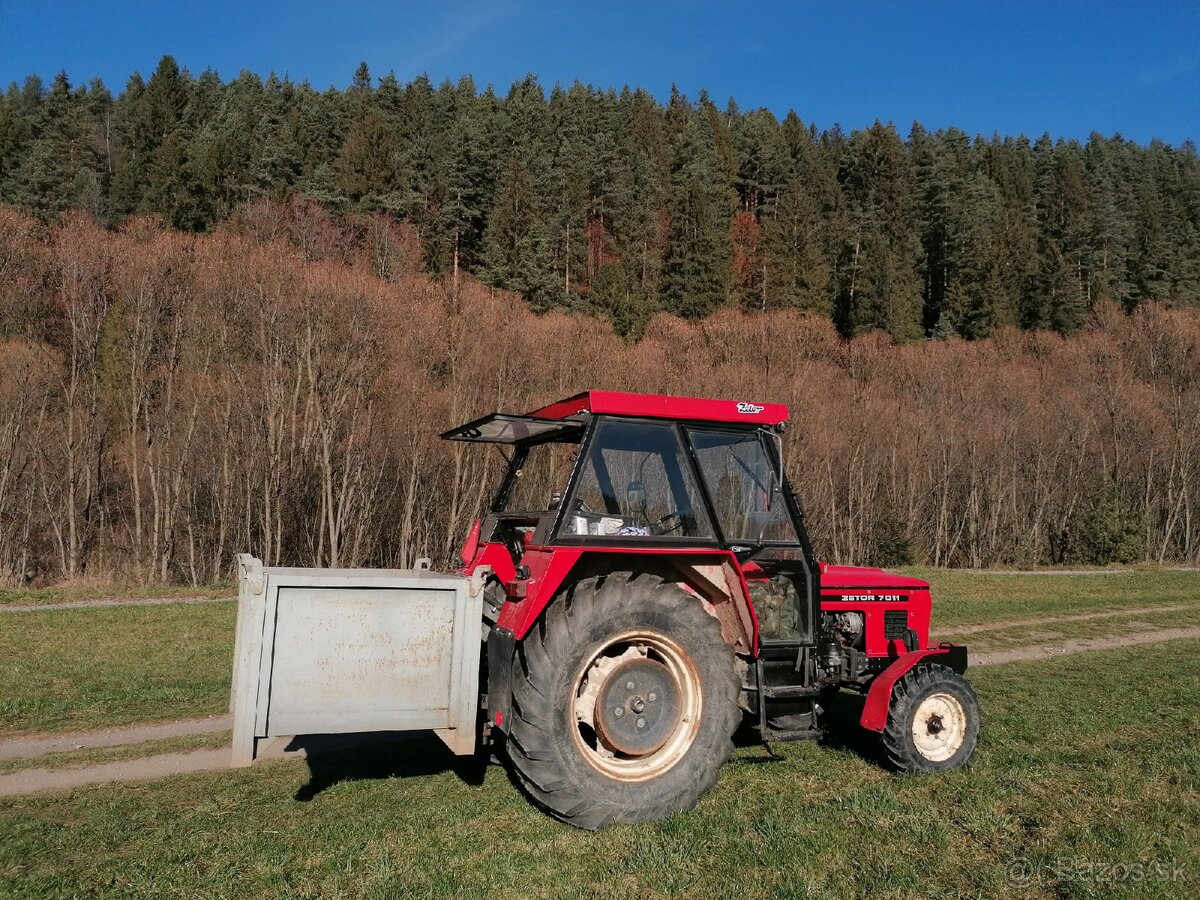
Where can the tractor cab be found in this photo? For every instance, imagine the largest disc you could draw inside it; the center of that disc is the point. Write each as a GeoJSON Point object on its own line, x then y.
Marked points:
{"type": "Point", "coordinates": [611, 479]}
{"type": "Point", "coordinates": [626, 472]}
{"type": "Point", "coordinates": [696, 489]}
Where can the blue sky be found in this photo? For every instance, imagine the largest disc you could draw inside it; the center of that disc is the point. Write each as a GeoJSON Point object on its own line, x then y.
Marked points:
{"type": "Point", "coordinates": [1017, 67]}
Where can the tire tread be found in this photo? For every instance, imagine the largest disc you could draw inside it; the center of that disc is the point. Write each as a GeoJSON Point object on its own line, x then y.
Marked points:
{"type": "Point", "coordinates": [533, 744]}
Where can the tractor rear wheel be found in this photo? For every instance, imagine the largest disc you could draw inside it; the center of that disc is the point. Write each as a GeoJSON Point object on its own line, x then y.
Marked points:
{"type": "Point", "coordinates": [624, 702]}
{"type": "Point", "coordinates": [933, 721]}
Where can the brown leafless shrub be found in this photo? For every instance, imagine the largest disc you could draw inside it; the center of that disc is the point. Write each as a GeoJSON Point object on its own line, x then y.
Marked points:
{"type": "Point", "coordinates": [167, 401]}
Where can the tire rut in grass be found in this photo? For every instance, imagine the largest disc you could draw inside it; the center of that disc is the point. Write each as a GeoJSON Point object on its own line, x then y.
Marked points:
{"type": "Point", "coordinates": [32, 781]}
{"type": "Point", "coordinates": [975, 628]}
{"type": "Point", "coordinates": [1082, 645]}
{"type": "Point", "coordinates": [29, 745]}
{"type": "Point", "coordinates": [106, 602]}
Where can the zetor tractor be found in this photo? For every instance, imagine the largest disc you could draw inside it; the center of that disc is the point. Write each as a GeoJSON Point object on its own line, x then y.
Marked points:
{"type": "Point", "coordinates": [646, 582]}
{"type": "Point", "coordinates": [655, 583]}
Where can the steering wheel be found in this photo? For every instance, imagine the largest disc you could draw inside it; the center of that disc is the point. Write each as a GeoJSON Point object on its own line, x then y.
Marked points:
{"type": "Point", "coordinates": [665, 526]}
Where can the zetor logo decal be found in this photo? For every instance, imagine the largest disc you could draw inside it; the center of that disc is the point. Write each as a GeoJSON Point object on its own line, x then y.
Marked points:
{"type": "Point", "coordinates": [874, 598]}
{"type": "Point", "coordinates": [748, 409]}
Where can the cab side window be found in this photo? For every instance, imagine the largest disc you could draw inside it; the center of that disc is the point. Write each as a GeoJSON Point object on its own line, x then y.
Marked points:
{"type": "Point", "coordinates": [745, 490]}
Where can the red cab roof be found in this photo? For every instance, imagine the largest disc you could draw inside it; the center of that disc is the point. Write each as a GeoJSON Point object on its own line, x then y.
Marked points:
{"type": "Point", "coordinates": [658, 406]}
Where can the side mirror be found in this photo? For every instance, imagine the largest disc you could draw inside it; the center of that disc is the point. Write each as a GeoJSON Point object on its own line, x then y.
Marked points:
{"type": "Point", "coordinates": [635, 497]}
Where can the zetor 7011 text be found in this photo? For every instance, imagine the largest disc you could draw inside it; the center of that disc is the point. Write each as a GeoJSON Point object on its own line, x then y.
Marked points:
{"type": "Point", "coordinates": [642, 582]}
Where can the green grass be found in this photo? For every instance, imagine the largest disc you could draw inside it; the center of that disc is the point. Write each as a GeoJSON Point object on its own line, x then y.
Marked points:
{"type": "Point", "coordinates": [1066, 775]}
{"type": "Point", "coordinates": [83, 591]}
{"type": "Point", "coordinates": [80, 668]}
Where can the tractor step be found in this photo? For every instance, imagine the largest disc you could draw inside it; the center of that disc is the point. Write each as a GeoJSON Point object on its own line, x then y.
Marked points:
{"type": "Point", "coordinates": [786, 711]}
{"type": "Point", "coordinates": [789, 691]}
{"type": "Point", "coordinates": [779, 735]}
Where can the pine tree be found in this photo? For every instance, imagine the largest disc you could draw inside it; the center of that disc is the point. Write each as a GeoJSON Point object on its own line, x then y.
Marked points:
{"type": "Point", "coordinates": [1009, 164]}
{"type": "Point", "coordinates": [158, 140]}
{"type": "Point", "coordinates": [640, 192]}
{"type": "Point", "coordinates": [368, 165]}
{"type": "Point", "coordinates": [696, 267]}
{"type": "Point", "coordinates": [763, 163]}
{"type": "Point", "coordinates": [130, 153]}
{"type": "Point", "coordinates": [322, 187]}
{"type": "Point", "coordinates": [797, 269]}
{"type": "Point", "coordinates": [614, 295]}
{"type": "Point", "coordinates": [8, 135]}
{"type": "Point", "coordinates": [456, 237]}
{"type": "Point", "coordinates": [1110, 206]}
{"type": "Point", "coordinates": [411, 113]}
{"type": "Point", "coordinates": [516, 252]}
{"type": "Point", "coordinates": [1063, 280]}
{"type": "Point", "coordinates": [279, 159]}
{"type": "Point", "coordinates": [61, 166]}
{"type": "Point", "coordinates": [878, 269]}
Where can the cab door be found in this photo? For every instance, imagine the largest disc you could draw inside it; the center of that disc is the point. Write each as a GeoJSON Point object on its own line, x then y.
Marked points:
{"type": "Point", "coordinates": [759, 520]}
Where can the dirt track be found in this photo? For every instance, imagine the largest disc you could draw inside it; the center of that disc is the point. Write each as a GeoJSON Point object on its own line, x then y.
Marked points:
{"type": "Point", "coordinates": [32, 781]}
{"type": "Point", "coordinates": [1046, 571]}
{"type": "Point", "coordinates": [957, 630]}
{"type": "Point", "coordinates": [26, 746]}
{"type": "Point", "coordinates": [1082, 645]}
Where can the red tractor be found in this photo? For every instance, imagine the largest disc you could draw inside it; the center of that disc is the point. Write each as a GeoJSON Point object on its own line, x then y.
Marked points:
{"type": "Point", "coordinates": [652, 582]}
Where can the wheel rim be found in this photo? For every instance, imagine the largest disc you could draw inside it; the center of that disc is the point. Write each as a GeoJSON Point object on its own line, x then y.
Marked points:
{"type": "Point", "coordinates": [939, 727]}
{"type": "Point", "coordinates": [622, 674]}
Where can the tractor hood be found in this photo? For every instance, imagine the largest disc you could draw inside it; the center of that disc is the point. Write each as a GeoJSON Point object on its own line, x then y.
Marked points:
{"type": "Point", "coordinates": [836, 577]}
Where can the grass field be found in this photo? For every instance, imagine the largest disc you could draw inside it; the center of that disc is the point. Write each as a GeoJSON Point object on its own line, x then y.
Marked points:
{"type": "Point", "coordinates": [1086, 783]}
{"type": "Point", "coordinates": [78, 668]}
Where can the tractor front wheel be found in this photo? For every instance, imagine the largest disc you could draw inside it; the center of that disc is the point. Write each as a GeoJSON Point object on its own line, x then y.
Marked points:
{"type": "Point", "coordinates": [625, 700]}
{"type": "Point", "coordinates": [933, 721]}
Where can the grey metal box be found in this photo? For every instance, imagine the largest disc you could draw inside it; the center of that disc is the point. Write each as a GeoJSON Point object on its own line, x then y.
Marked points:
{"type": "Point", "coordinates": [325, 651]}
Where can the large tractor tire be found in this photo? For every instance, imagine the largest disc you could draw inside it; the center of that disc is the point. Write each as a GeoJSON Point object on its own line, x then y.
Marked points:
{"type": "Point", "coordinates": [933, 721]}
{"type": "Point", "coordinates": [625, 700]}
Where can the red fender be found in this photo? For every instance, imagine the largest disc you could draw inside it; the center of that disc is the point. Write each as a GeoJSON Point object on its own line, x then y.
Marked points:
{"type": "Point", "coordinates": [549, 568]}
{"type": "Point", "coordinates": [879, 695]}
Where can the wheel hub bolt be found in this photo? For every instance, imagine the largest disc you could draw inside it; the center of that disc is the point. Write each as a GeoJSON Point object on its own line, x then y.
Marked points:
{"type": "Point", "coordinates": [629, 685]}
{"type": "Point", "coordinates": [641, 723]}
{"type": "Point", "coordinates": [618, 712]}
{"type": "Point", "coordinates": [935, 724]}
{"type": "Point", "coordinates": [638, 704]}
{"type": "Point", "coordinates": [652, 697]}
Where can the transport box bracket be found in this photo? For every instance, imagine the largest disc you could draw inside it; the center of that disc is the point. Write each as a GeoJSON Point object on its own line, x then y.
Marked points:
{"type": "Point", "coordinates": [329, 651]}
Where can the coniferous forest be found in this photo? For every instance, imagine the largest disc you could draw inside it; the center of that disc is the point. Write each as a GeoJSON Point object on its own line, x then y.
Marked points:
{"type": "Point", "coordinates": [235, 315]}
{"type": "Point", "coordinates": [613, 203]}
